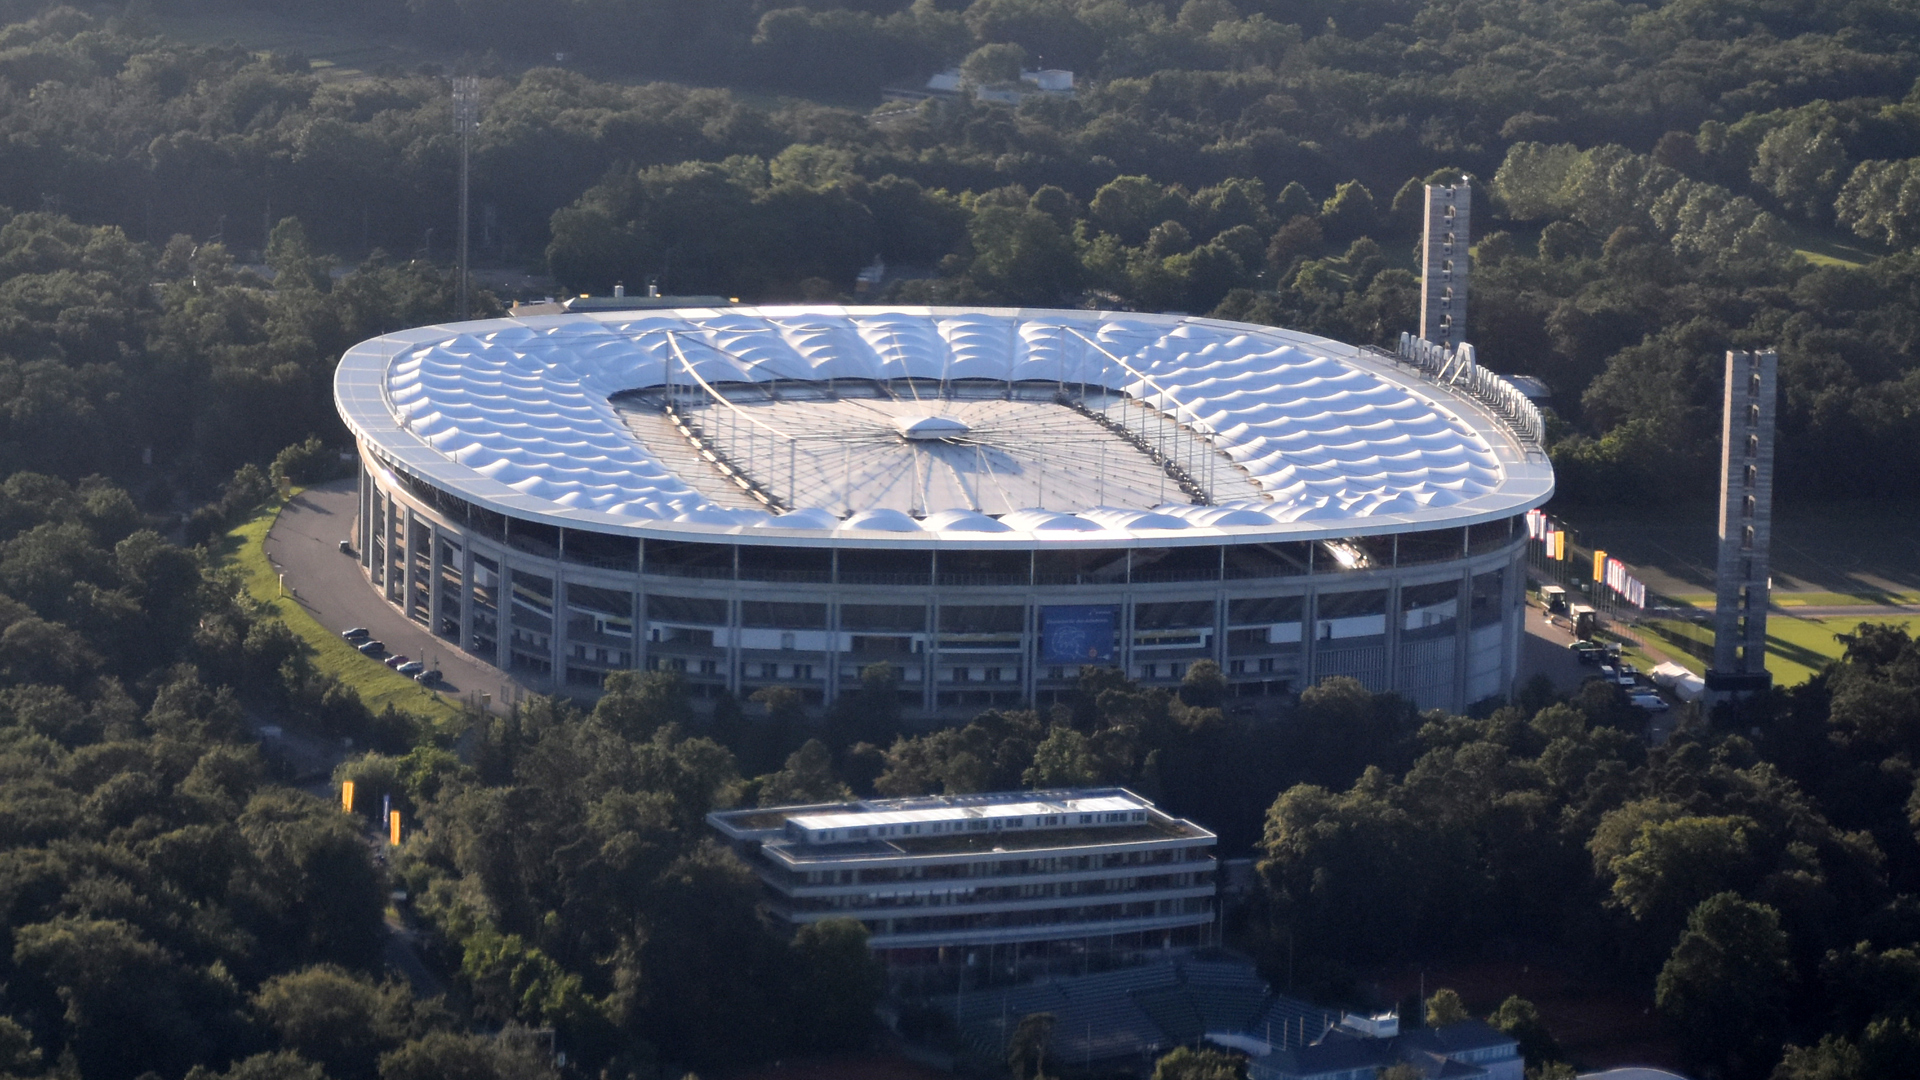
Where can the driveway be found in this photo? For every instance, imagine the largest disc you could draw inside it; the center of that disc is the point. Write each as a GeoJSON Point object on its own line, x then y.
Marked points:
{"type": "Point", "coordinates": [304, 544]}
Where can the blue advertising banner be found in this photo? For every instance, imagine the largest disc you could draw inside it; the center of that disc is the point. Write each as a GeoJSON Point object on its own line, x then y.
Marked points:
{"type": "Point", "coordinates": [1081, 634]}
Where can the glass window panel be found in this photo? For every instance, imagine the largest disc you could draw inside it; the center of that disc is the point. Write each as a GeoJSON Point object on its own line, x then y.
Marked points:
{"type": "Point", "coordinates": [1268, 560]}
{"type": "Point", "coordinates": [785, 564]}
{"type": "Point", "coordinates": [1350, 615]}
{"type": "Point", "coordinates": [1176, 564]}
{"type": "Point", "coordinates": [897, 617]}
{"type": "Point", "coordinates": [784, 616]}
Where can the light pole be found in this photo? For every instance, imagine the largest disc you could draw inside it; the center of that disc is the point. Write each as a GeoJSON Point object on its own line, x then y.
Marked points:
{"type": "Point", "coordinates": [466, 114]}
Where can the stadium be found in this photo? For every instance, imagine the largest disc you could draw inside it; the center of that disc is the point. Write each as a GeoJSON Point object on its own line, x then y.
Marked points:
{"type": "Point", "coordinates": [986, 499]}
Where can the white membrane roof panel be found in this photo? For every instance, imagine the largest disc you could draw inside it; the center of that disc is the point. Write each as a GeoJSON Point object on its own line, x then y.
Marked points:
{"type": "Point", "coordinates": [515, 414]}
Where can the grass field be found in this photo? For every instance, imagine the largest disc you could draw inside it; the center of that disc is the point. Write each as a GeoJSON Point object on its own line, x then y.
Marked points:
{"type": "Point", "coordinates": [1831, 247]}
{"type": "Point", "coordinates": [377, 686]}
{"type": "Point", "coordinates": [1833, 553]}
{"type": "Point", "coordinates": [1796, 648]}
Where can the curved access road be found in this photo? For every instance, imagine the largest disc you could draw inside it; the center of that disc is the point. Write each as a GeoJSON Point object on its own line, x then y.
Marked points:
{"type": "Point", "coordinates": [304, 544]}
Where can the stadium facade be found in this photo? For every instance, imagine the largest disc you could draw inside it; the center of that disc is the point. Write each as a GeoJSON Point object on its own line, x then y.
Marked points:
{"type": "Point", "coordinates": [985, 498]}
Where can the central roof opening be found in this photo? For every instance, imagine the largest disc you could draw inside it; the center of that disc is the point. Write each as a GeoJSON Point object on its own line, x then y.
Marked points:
{"type": "Point", "coordinates": [930, 428]}
{"type": "Point", "coordinates": [921, 449]}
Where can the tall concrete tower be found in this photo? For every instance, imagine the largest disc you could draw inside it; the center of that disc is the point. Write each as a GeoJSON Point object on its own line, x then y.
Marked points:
{"type": "Point", "coordinates": [1443, 261]}
{"type": "Point", "coordinates": [1746, 518]}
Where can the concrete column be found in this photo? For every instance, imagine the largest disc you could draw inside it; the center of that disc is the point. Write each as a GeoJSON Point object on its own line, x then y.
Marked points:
{"type": "Point", "coordinates": [466, 593]}
{"type": "Point", "coordinates": [930, 660]}
{"type": "Point", "coordinates": [363, 527]}
{"type": "Point", "coordinates": [1220, 625]}
{"type": "Point", "coordinates": [434, 583]}
{"type": "Point", "coordinates": [639, 651]}
{"type": "Point", "coordinates": [1514, 597]}
{"type": "Point", "coordinates": [830, 660]}
{"type": "Point", "coordinates": [503, 614]}
{"type": "Point", "coordinates": [1309, 635]}
{"type": "Point", "coordinates": [1463, 637]}
{"type": "Point", "coordinates": [557, 641]}
{"type": "Point", "coordinates": [386, 547]}
{"type": "Point", "coordinates": [1030, 654]}
{"type": "Point", "coordinates": [408, 575]}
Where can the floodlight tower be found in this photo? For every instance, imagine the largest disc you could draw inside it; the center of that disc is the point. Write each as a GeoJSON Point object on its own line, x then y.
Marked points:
{"type": "Point", "coordinates": [466, 115]}
{"type": "Point", "coordinates": [1746, 524]}
{"type": "Point", "coordinates": [1443, 264]}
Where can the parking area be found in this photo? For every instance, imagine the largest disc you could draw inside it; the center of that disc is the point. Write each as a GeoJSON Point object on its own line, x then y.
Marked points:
{"type": "Point", "coordinates": [304, 544]}
{"type": "Point", "coordinates": [1548, 650]}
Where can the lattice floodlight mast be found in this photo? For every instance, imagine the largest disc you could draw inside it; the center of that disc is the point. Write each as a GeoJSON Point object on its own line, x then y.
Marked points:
{"type": "Point", "coordinates": [1746, 524]}
{"type": "Point", "coordinates": [466, 116]}
{"type": "Point", "coordinates": [1443, 258]}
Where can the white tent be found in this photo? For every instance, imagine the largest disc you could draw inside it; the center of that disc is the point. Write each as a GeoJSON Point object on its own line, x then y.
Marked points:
{"type": "Point", "coordinates": [1685, 684]}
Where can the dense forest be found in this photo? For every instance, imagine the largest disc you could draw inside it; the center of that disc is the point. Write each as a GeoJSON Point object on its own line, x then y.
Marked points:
{"type": "Point", "coordinates": [195, 233]}
{"type": "Point", "coordinates": [1645, 174]}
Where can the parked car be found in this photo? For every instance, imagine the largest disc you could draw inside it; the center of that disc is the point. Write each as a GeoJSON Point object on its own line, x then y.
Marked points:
{"type": "Point", "coordinates": [372, 648]}
{"type": "Point", "coordinates": [1648, 700]}
{"type": "Point", "coordinates": [396, 660]}
{"type": "Point", "coordinates": [1626, 675]}
{"type": "Point", "coordinates": [356, 633]}
{"type": "Point", "coordinates": [411, 667]}
{"type": "Point", "coordinates": [429, 677]}
{"type": "Point", "coordinates": [1589, 652]}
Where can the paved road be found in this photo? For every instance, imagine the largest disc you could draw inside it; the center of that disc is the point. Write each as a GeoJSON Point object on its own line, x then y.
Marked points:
{"type": "Point", "coordinates": [1863, 612]}
{"type": "Point", "coordinates": [1544, 652]}
{"type": "Point", "coordinates": [304, 544]}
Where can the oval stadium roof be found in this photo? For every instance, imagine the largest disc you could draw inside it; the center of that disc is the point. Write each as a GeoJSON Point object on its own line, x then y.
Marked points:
{"type": "Point", "coordinates": [979, 427]}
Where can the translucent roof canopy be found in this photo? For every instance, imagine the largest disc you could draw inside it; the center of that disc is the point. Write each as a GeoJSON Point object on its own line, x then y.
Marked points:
{"type": "Point", "coordinates": [976, 426]}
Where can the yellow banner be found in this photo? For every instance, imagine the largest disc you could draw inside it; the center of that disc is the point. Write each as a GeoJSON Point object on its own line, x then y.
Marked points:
{"type": "Point", "coordinates": [346, 796]}
{"type": "Point", "coordinates": [1599, 566]}
{"type": "Point", "coordinates": [393, 828]}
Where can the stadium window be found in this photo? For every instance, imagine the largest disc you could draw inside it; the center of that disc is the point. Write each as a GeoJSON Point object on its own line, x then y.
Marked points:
{"type": "Point", "coordinates": [993, 674]}
{"type": "Point", "coordinates": [1753, 474]}
{"type": "Point", "coordinates": [1746, 538]}
{"type": "Point", "coordinates": [1753, 446]}
{"type": "Point", "coordinates": [1746, 507]}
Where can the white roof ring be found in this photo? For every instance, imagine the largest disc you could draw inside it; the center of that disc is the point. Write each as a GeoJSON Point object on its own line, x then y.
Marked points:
{"type": "Point", "coordinates": [1024, 414]}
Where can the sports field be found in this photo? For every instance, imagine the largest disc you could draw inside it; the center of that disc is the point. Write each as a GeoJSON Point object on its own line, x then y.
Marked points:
{"type": "Point", "coordinates": [1797, 648]}
{"type": "Point", "coordinates": [1824, 554]}
{"type": "Point", "coordinates": [1835, 565]}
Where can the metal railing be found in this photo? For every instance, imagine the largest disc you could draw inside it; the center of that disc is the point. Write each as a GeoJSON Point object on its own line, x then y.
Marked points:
{"type": "Point", "coordinates": [1455, 369]}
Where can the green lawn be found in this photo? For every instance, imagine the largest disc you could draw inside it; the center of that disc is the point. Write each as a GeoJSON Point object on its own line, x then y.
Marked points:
{"type": "Point", "coordinates": [1796, 648]}
{"type": "Point", "coordinates": [377, 686]}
